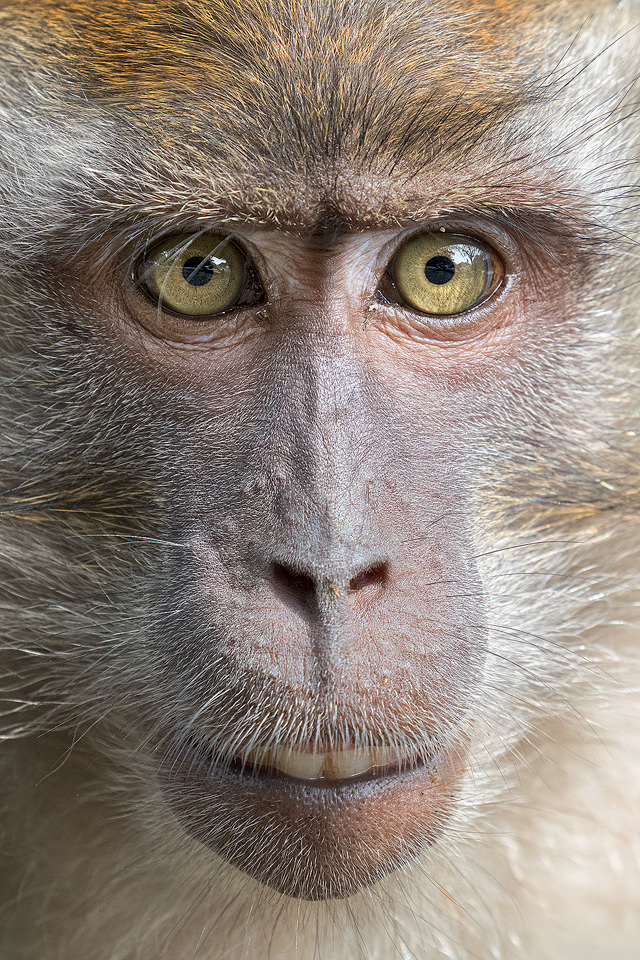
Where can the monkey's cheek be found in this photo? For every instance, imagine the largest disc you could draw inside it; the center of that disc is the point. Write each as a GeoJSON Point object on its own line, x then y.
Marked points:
{"type": "Point", "coordinates": [318, 843]}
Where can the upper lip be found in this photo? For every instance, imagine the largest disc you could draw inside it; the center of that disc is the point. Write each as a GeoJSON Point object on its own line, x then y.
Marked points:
{"type": "Point", "coordinates": [280, 736]}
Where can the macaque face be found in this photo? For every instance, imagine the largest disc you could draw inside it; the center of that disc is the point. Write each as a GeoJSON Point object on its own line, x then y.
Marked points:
{"type": "Point", "coordinates": [325, 632]}
{"type": "Point", "coordinates": [306, 374]}
{"type": "Point", "coordinates": [317, 444]}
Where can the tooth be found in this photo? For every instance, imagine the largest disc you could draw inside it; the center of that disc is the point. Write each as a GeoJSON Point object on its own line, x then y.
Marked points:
{"type": "Point", "coordinates": [347, 763]}
{"type": "Point", "coordinates": [299, 763]}
{"type": "Point", "coordinates": [325, 765]}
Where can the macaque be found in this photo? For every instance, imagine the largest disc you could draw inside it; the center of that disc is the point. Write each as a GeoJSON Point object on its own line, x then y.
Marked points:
{"type": "Point", "coordinates": [320, 541]}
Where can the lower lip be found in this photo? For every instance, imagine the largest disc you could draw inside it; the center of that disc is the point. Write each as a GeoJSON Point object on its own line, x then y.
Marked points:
{"type": "Point", "coordinates": [315, 839]}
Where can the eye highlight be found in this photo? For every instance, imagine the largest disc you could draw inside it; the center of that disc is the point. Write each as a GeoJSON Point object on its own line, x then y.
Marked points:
{"type": "Point", "coordinates": [198, 276]}
{"type": "Point", "coordinates": [442, 274]}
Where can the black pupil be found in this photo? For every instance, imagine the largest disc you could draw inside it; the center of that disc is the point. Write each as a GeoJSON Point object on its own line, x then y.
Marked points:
{"type": "Point", "coordinates": [439, 270]}
{"type": "Point", "coordinates": [197, 271]}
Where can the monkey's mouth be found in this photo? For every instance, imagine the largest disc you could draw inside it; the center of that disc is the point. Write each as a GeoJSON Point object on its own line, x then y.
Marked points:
{"type": "Point", "coordinates": [315, 822]}
{"type": "Point", "coordinates": [330, 767]}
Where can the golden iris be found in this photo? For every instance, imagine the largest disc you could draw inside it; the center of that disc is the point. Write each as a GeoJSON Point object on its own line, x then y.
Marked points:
{"type": "Point", "coordinates": [442, 274]}
{"type": "Point", "coordinates": [195, 276]}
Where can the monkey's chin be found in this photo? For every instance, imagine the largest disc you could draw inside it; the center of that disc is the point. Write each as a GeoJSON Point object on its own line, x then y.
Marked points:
{"type": "Point", "coordinates": [316, 839]}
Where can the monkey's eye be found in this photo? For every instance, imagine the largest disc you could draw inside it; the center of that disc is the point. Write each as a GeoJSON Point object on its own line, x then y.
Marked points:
{"type": "Point", "coordinates": [443, 274]}
{"type": "Point", "coordinates": [199, 276]}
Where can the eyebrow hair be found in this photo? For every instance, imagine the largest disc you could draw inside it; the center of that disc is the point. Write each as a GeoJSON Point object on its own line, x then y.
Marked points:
{"type": "Point", "coordinates": [574, 236]}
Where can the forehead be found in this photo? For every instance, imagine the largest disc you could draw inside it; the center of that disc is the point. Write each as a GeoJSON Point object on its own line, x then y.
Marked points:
{"type": "Point", "coordinates": [263, 30]}
{"type": "Point", "coordinates": [260, 90]}
{"type": "Point", "coordinates": [244, 50]}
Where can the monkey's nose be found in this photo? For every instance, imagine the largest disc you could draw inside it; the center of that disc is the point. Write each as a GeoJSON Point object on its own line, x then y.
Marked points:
{"type": "Point", "coordinates": [377, 574]}
{"type": "Point", "coordinates": [306, 590]}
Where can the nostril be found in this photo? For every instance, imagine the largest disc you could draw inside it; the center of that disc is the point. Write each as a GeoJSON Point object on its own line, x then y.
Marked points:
{"type": "Point", "coordinates": [301, 589]}
{"type": "Point", "coordinates": [370, 577]}
{"type": "Point", "coordinates": [294, 585]}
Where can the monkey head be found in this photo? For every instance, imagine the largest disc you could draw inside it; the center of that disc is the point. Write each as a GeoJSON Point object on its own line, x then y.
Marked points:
{"type": "Point", "coordinates": [301, 309]}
